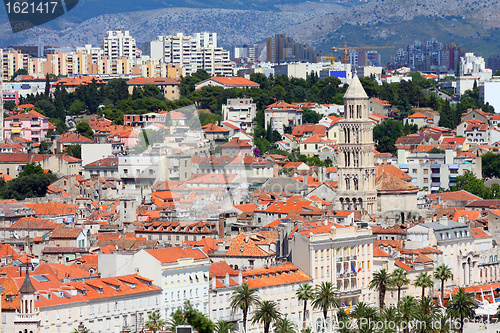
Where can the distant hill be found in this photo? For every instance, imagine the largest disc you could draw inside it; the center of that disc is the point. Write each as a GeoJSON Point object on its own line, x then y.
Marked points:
{"type": "Point", "coordinates": [472, 24]}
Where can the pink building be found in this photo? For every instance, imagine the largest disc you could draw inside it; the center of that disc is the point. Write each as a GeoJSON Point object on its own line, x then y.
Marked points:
{"type": "Point", "coordinates": [32, 126]}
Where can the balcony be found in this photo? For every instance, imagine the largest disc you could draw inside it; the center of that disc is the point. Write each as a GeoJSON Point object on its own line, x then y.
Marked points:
{"type": "Point", "coordinates": [35, 124]}
{"type": "Point", "coordinates": [350, 293]}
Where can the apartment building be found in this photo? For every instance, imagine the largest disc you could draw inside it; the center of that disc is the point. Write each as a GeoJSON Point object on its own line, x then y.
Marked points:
{"type": "Point", "coordinates": [281, 114]}
{"type": "Point", "coordinates": [182, 274]}
{"type": "Point", "coordinates": [118, 44]}
{"type": "Point", "coordinates": [434, 171]}
{"type": "Point", "coordinates": [242, 110]}
{"type": "Point", "coordinates": [41, 303]}
{"type": "Point", "coordinates": [199, 51]}
{"type": "Point", "coordinates": [32, 126]}
{"type": "Point", "coordinates": [337, 253]}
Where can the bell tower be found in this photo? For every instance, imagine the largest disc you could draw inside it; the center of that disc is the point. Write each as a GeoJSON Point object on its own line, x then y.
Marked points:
{"type": "Point", "coordinates": [356, 170]}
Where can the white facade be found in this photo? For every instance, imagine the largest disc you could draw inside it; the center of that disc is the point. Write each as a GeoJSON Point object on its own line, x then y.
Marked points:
{"type": "Point", "coordinates": [118, 44]}
{"type": "Point", "coordinates": [435, 171]}
{"type": "Point", "coordinates": [240, 110]}
{"type": "Point", "coordinates": [181, 279]}
{"type": "Point", "coordinates": [193, 52]}
{"type": "Point", "coordinates": [490, 92]}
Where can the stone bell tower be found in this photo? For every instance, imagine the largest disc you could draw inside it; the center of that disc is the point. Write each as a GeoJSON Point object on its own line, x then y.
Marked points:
{"type": "Point", "coordinates": [356, 170]}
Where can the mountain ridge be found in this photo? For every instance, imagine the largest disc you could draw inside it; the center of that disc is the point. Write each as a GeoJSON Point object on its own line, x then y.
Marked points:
{"type": "Point", "coordinates": [321, 24]}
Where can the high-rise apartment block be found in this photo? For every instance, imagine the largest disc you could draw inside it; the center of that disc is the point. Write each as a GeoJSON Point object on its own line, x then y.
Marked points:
{"type": "Point", "coordinates": [119, 44]}
{"type": "Point", "coordinates": [199, 51]}
{"type": "Point", "coordinates": [281, 48]}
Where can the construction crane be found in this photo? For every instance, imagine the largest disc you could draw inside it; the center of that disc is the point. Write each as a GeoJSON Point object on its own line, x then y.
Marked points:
{"type": "Point", "coordinates": [346, 49]}
{"type": "Point", "coordinates": [331, 57]}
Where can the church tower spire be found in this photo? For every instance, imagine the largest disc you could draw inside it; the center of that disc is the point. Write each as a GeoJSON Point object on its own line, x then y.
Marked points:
{"type": "Point", "coordinates": [356, 170]}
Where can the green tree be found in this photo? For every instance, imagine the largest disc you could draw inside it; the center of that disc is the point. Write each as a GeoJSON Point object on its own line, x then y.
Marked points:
{"type": "Point", "coordinates": [44, 148]}
{"type": "Point", "coordinates": [222, 326]}
{"type": "Point", "coordinates": [154, 322]}
{"type": "Point", "coordinates": [490, 165]}
{"type": "Point", "coordinates": [305, 293]}
{"type": "Point", "coordinates": [284, 325]}
{"type": "Point", "coordinates": [461, 306]}
{"type": "Point", "coordinates": [407, 307]}
{"type": "Point", "coordinates": [76, 107]}
{"type": "Point", "coordinates": [364, 314]}
{"type": "Point", "coordinates": [325, 298]}
{"type": "Point", "coordinates": [20, 71]}
{"type": "Point", "coordinates": [31, 169]}
{"type": "Point", "coordinates": [266, 312]}
{"type": "Point", "coordinates": [390, 314]}
{"type": "Point", "coordinates": [242, 299]}
{"type": "Point", "coordinates": [209, 118]}
{"type": "Point", "coordinates": [386, 145]}
{"type": "Point", "coordinates": [423, 280]}
{"type": "Point", "coordinates": [20, 188]}
{"type": "Point", "coordinates": [399, 279]}
{"type": "Point", "coordinates": [84, 129]}
{"type": "Point", "coordinates": [443, 273]}
{"type": "Point", "coordinates": [74, 150]}
{"type": "Point", "coordinates": [310, 116]}
{"type": "Point", "coordinates": [9, 105]}
{"type": "Point", "coordinates": [436, 150]}
{"type": "Point", "coordinates": [381, 281]}
{"type": "Point", "coordinates": [470, 183]}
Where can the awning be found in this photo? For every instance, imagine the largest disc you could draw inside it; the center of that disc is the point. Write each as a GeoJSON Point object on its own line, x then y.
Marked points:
{"type": "Point", "coordinates": [453, 166]}
{"type": "Point", "coordinates": [434, 188]}
{"type": "Point", "coordinates": [16, 131]}
{"type": "Point", "coordinates": [404, 166]}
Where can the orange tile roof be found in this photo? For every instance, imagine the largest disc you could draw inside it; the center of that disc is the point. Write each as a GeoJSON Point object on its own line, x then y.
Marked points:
{"type": "Point", "coordinates": [236, 142]}
{"type": "Point", "coordinates": [212, 128]}
{"type": "Point", "coordinates": [461, 195]}
{"type": "Point", "coordinates": [71, 137]}
{"type": "Point", "coordinates": [245, 245]}
{"type": "Point", "coordinates": [172, 254]}
{"type": "Point", "coordinates": [378, 252]}
{"type": "Point", "coordinates": [53, 208]}
{"type": "Point", "coordinates": [208, 245]}
{"type": "Point", "coordinates": [419, 115]}
{"type": "Point", "coordinates": [402, 265]}
{"type": "Point", "coordinates": [234, 81]}
{"type": "Point", "coordinates": [220, 269]}
{"type": "Point", "coordinates": [77, 81]}
{"type": "Point", "coordinates": [471, 214]}
{"type": "Point", "coordinates": [34, 223]}
{"type": "Point", "coordinates": [275, 276]}
{"type": "Point", "coordinates": [478, 233]}
{"type": "Point", "coordinates": [27, 115]}
{"type": "Point", "coordinates": [246, 208]}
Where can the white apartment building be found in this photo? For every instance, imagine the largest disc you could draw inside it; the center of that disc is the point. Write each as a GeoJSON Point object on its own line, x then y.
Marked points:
{"type": "Point", "coordinates": [193, 52]}
{"type": "Point", "coordinates": [118, 43]}
{"type": "Point", "coordinates": [277, 283]}
{"type": "Point", "coordinates": [281, 114]}
{"type": "Point", "coordinates": [472, 69]}
{"type": "Point", "coordinates": [182, 274]}
{"type": "Point", "coordinates": [434, 171]}
{"type": "Point", "coordinates": [102, 305]}
{"type": "Point", "coordinates": [341, 254]}
{"type": "Point", "coordinates": [242, 110]}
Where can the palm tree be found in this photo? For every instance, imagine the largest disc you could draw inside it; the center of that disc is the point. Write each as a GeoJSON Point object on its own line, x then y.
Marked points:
{"type": "Point", "coordinates": [381, 280]}
{"type": "Point", "coordinates": [155, 322]}
{"type": "Point", "coordinates": [266, 312]}
{"type": "Point", "coordinates": [390, 314]}
{"type": "Point", "coordinates": [243, 298]}
{"type": "Point", "coordinates": [325, 298]}
{"type": "Point", "coordinates": [407, 307]}
{"type": "Point", "coordinates": [305, 293]}
{"type": "Point", "coordinates": [222, 326]}
{"type": "Point", "coordinates": [443, 273]}
{"type": "Point", "coordinates": [367, 313]}
{"type": "Point", "coordinates": [399, 279]}
{"type": "Point", "coordinates": [284, 325]}
{"type": "Point", "coordinates": [461, 306]}
{"type": "Point", "coordinates": [424, 280]}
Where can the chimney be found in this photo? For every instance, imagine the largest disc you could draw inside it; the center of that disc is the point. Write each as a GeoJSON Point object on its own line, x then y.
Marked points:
{"type": "Point", "coordinates": [226, 280]}
{"type": "Point", "coordinates": [240, 278]}
{"type": "Point", "coordinates": [247, 237]}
